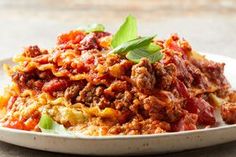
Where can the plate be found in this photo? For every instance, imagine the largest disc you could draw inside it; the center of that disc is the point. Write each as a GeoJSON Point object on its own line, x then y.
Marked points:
{"type": "Point", "coordinates": [125, 145]}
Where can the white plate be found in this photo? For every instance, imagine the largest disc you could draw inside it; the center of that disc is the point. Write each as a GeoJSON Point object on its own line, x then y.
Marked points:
{"type": "Point", "coordinates": [123, 145]}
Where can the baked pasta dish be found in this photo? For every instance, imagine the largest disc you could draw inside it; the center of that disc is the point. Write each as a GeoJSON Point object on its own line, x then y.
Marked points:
{"type": "Point", "coordinates": [98, 84]}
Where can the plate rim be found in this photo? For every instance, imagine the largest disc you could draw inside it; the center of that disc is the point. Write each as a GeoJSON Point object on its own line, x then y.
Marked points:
{"type": "Point", "coordinates": [117, 137]}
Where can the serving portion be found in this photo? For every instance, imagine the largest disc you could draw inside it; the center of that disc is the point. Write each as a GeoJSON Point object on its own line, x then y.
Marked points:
{"type": "Point", "coordinates": [94, 83]}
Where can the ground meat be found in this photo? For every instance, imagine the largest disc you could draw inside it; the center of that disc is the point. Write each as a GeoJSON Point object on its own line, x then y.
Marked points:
{"type": "Point", "coordinates": [125, 116]}
{"type": "Point", "coordinates": [153, 106]}
{"type": "Point", "coordinates": [165, 75]}
{"type": "Point", "coordinates": [32, 51]}
{"type": "Point", "coordinates": [118, 94]}
{"type": "Point", "coordinates": [123, 100]}
{"type": "Point", "coordinates": [56, 84]}
{"type": "Point", "coordinates": [228, 113]}
{"type": "Point", "coordinates": [20, 78]}
{"type": "Point", "coordinates": [87, 94]}
{"type": "Point", "coordinates": [33, 79]}
{"type": "Point", "coordinates": [150, 126]}
{"type": "Point", "coordinates": [143, 98]}
{"type": "Point", "coordinates": [137, 127]}
{"type": "Point", "coordinates": [143, 76]}
{"type": "Point", "coordinates": [35, 84]}
{"type": "Point", "coordinates": [23, 79]}
{"type": "Point", "coordinates": [133, 128]}
{"type": "Point", "coordinates": [90, 95]}
{"type": "Point", "coordinates": [72, 91]}
{"type": "Point", "coordinates": [116, 87]}
{"type": "Point", "coordinates": [173, 112]}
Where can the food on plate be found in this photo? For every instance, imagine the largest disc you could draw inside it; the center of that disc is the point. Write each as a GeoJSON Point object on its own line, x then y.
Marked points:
{"type": "Point", "coordinates": [95, 83]}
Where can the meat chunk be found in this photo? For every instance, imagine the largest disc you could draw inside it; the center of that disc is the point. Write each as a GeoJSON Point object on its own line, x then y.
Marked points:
{"type": "Point", "coordinates": [89, 42]}
{"type": "Point", "coordinates": [153, 106]}
{"type": "Point", "coordinates": [143, 76]}
{"type": "Point", "coordinates": [203, 109]}
{"type": "Point", "coordinates": [24, 80]}
{"type": "Point", "coordinates": [90, 95]}
{"type": "Point", "coordinates": [32, 51]}
{"type": "Point", "coordinates": [123, 100]}
{"type": "Point", "coordinates": [101, 34]}
{"type": "Point", "coordinates": [199, 79]}
{"type": "Point", "coordinates": [20, 78]}
{"type": "Point", "coordinates": [182, 72]}
{"type": "Point", "coordinates": [32, 80]}
{"type": "Point", "coordinates": [228, 113]}
{"type": "Point", "coordinates": [116, 87]}
{"type": "Point", "coordinates": [182, 89]}
{"type": "Point", "coordinates": [72, 91]}
{"type": "Point", "coordinates": [216, 71]}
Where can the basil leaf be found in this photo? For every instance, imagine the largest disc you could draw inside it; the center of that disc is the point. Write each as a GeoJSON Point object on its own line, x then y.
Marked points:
{"type": "Point", "coordinates": [152, 47]}
{"type": "Point", "coordinates": [127, 31]}
{"type": "Point", "coordinates": [131, 45]}
{"type": "Point", "coordinates": [48, 125]}
{"type": "Point", "coordinates": [92, 28]}
{"type": "Point", "coordinates": [137, 54]}
{"type": "Point", "coordinates": [45, 122]}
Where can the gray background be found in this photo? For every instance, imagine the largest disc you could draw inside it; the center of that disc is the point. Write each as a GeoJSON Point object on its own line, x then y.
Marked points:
{"type": "Point", "coordinates": [209, 25]}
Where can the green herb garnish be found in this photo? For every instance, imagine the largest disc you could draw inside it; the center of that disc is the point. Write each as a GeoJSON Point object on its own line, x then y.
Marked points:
{"type": "Point", "coordinates": [127, 31]}
{"type": "Point", "coordinates": [126, 42]}
{"type": "Point", "coordinates": [138, 54]}
{"type": "Point", "coordinates": [125, 47]}
{"type": "Point", "coordinates": [92, 28]}
{"type": "Point", "coordinates": [48, 125]}
{"type": "Point", "coordinates": [152, 48]}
